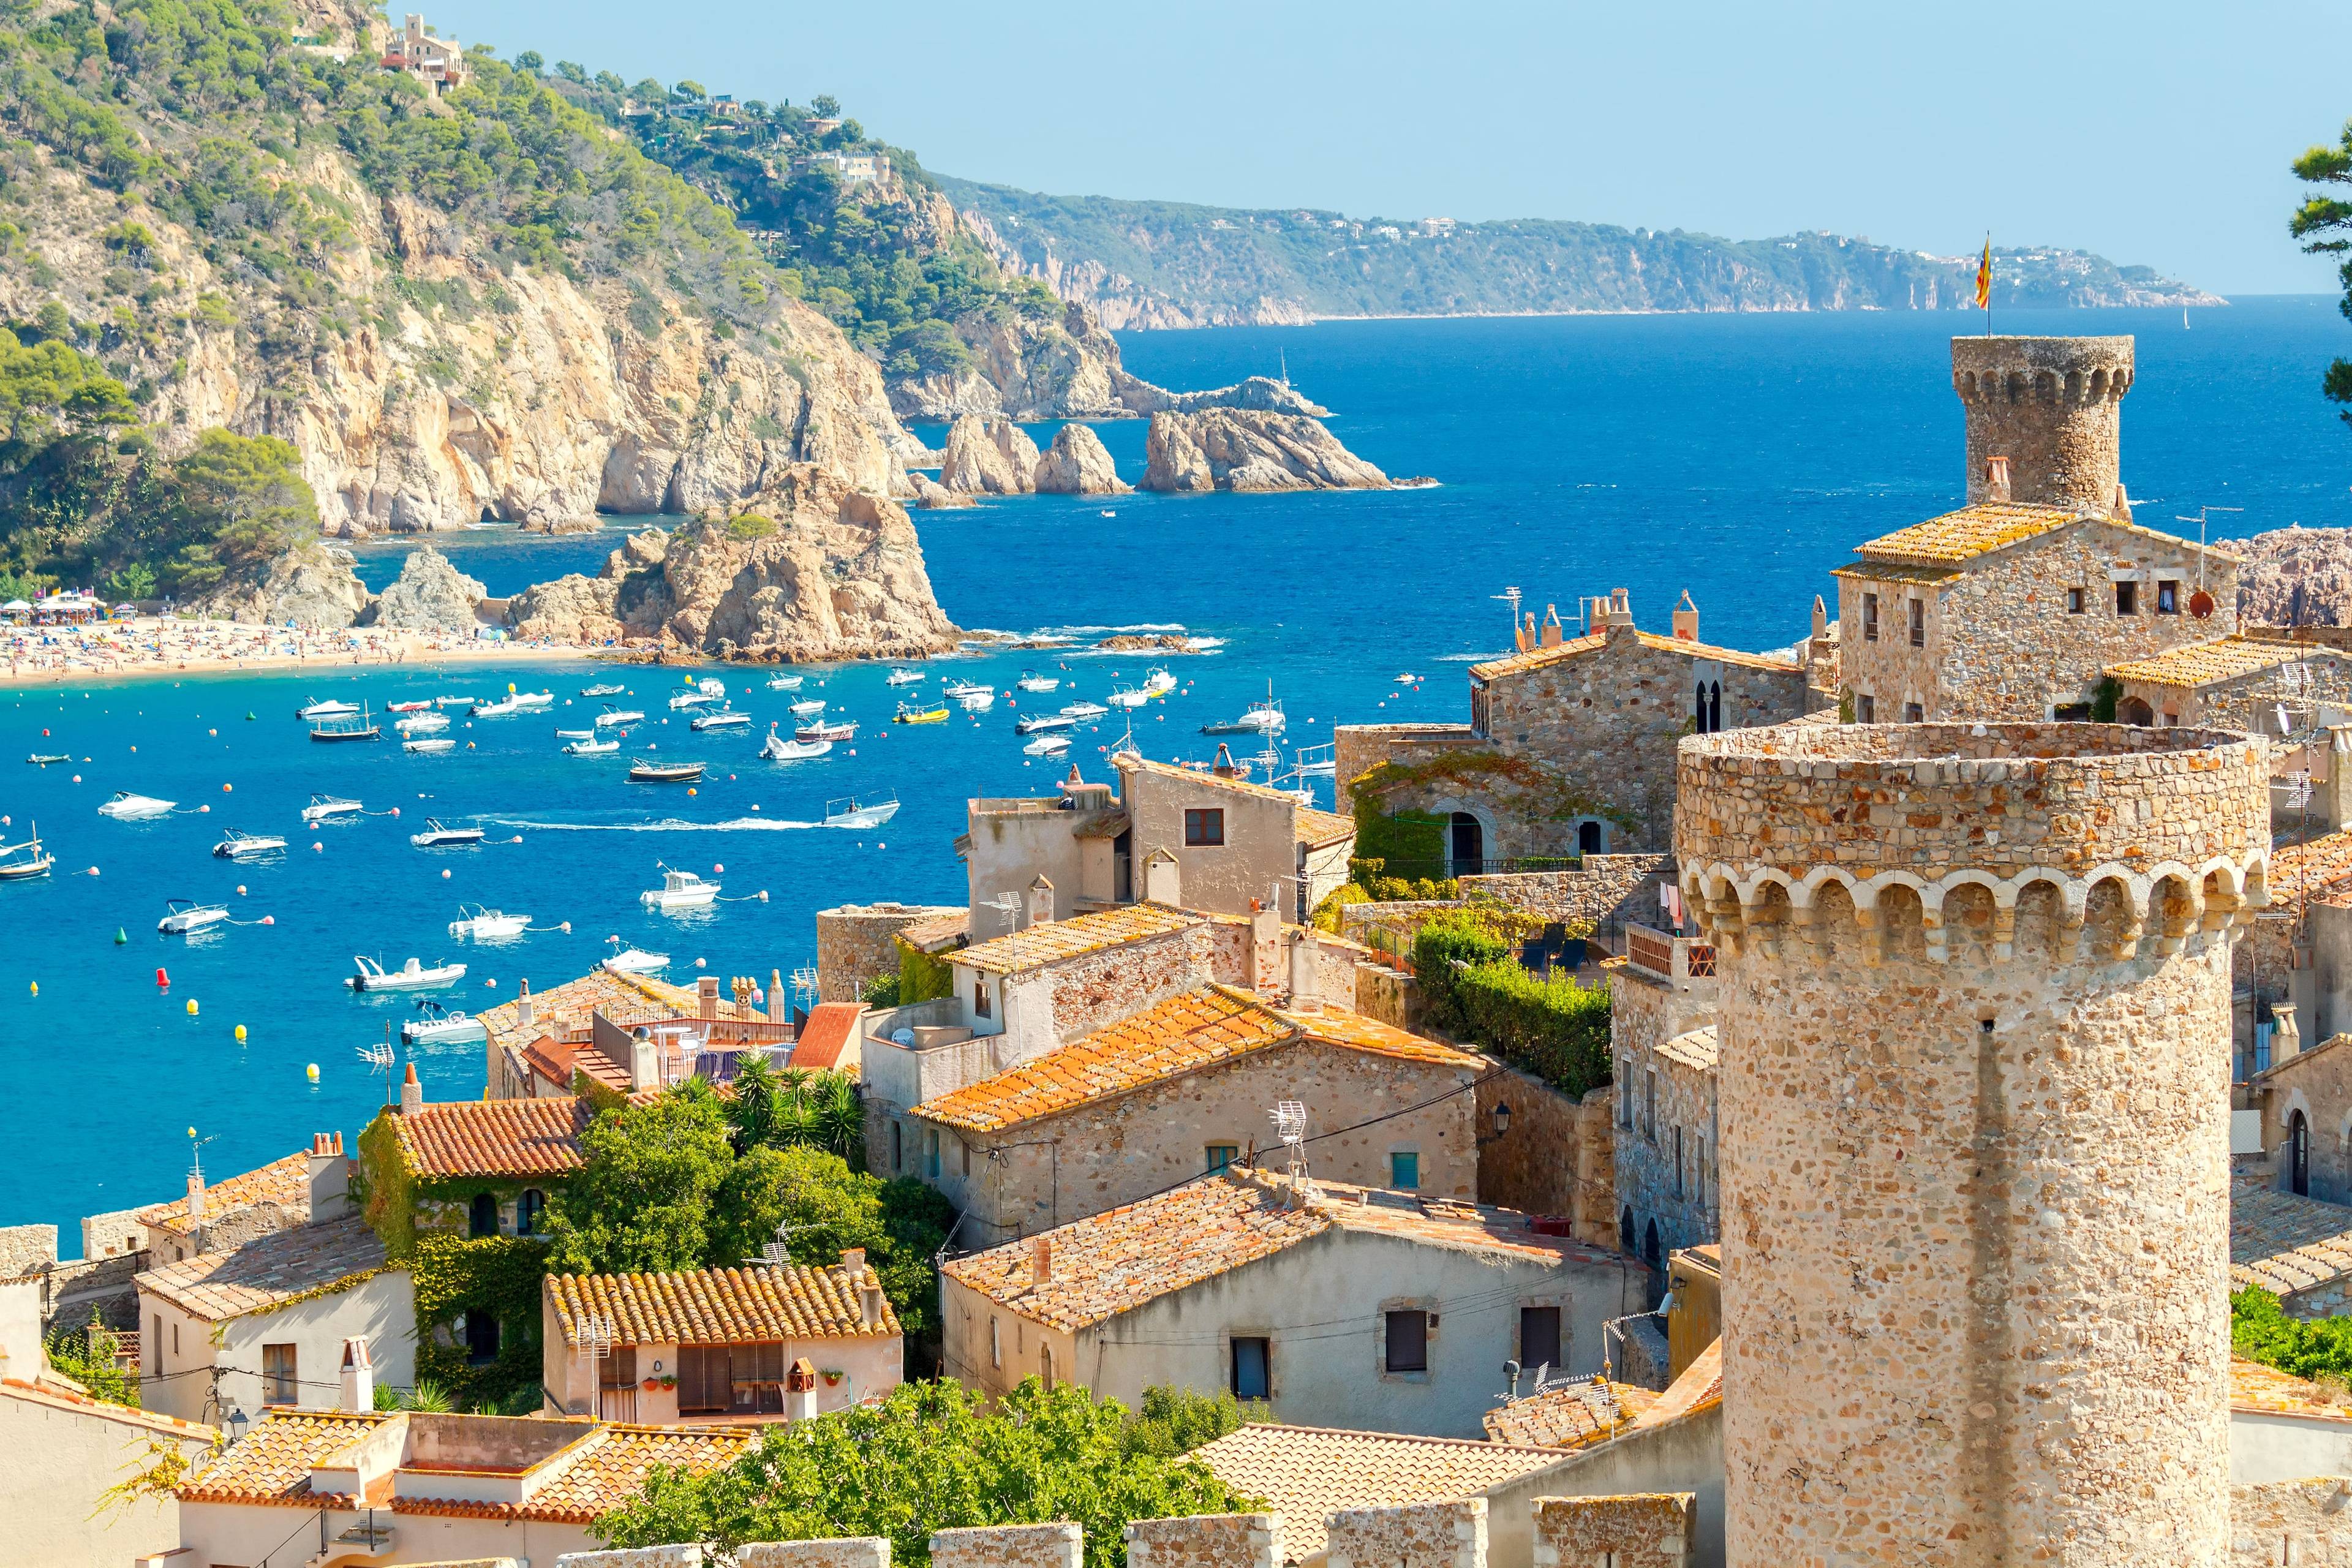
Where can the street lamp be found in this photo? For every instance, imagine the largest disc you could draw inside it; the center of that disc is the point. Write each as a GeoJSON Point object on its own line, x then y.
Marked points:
{"type": "Point", "coordinates": [236, 1425]}
{"type": "Point", "coordinates": [1502, 1118]}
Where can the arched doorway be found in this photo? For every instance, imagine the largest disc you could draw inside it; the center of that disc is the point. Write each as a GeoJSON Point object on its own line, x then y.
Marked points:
{"type": "Point", "coordinates": [1588, 837]}
{"type": "Point", "coordinates": [1626, 1231]}
{"type": "Point", "coordinates": [2134, 711]}
{"type": "Point", "coordinates": [2298, 1154]}
{"type": "Point", "coordinates": [1466, 842]}
{"type": "Point", "coordinates": [1650, 1253]}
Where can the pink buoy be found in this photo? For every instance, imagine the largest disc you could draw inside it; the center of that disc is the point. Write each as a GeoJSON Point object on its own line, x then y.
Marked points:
{"type": "Point", "coordinates": [445, 875]}
{"type": "Point", "coordinates": [719, 871]}
{"type": "Point", "coordinates": [93, 871]}
{"type": "Point", "coordinates": [318, 850]}
{"type": "Point", "coordinates": [395, 810]}
{"type": "Point", "coordinates": [240, 889]}
{"type": "Point", "coordinates": [269, 920]}
{"type": "Point", "coordinates": [203, 811]}
{"type": "Point", "coordinates": [76, 778]}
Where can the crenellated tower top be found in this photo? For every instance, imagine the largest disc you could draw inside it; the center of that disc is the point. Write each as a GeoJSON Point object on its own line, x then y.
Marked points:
{"type": "Point", "coordinates": [2054, 408]}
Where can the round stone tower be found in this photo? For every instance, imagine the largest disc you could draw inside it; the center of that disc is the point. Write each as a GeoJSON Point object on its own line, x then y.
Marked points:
{"type": "Point", "coordinates": [2053, 407]}
{"type": "Point", "coordinates": [1974, 1015]}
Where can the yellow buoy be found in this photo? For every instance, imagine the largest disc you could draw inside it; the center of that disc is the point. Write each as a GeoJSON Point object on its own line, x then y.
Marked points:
{"type": "Point", "coordinates": [36, 988]}
{"type": "Point", "coordinates": [313, 1072]}
{"type": "Point", "coordinates": [192, 1006]}
{"type": "Point", "coordinates": [240, 1033]}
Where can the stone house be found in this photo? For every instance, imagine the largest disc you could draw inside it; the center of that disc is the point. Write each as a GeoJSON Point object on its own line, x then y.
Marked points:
{"type": "Point", "coordinates": [1185, 1086]}
{"type": "Point", "coordinates": [438, 62]}
{"type": "Point", "coordinates": [858, 943]}
{"type": "Point", "coordinates": [1226, 845]}
{"type": "Point", "coordinates": [2237, 682]}
{"type": "Point", "coordinates": [1343, 1306]}
{"type": "Point", "coordinates": [759, 1343]}
{"type": "Point", "coordinates": [609, 1036]}
{"type": "Point", "coordinates": [566, 1014]}
{"type": "Point", "coordinates": [1080, 840]}
{"type": "Point", "coordinates": [467, 1167]}
{"type": "Point", "coordinates": [1570, 749]}
{"type": "Point", "coordinates": [2304, 1099]}
{"type": "Point", "coordinates": [1662, 1041]}
{"type": "Point", "coordinates": [223, 1215]}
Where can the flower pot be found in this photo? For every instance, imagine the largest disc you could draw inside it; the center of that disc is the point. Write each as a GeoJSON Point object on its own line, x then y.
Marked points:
{"type": "Point", "coordinates": [669, 1382]}
{"type": "Point", "coordinates": [651, 1383]}
{"type": "Point", "coordinates": [832, 1379]}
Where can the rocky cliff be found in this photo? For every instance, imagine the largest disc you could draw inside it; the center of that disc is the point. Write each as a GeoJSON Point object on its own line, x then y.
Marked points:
{"type": "Point", "coordinates": [2296, 576]}
{"type": "Point", "coordinates": [429, 595]}
{"type": "Point", "coordinates": [1077, 464]}
{"type": "Point", "coordinates": [1241, 449]}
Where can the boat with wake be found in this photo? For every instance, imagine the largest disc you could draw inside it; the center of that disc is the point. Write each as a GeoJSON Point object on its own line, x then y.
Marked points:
{"type": "Point", "coordinates": [644, 772]}
{"type": "Point", "coordinates": [532, 701]}
{"type": "Point", "coordinates": [183, 916]}
{"type": "Point", "coordinates": [438, 836]}
{"type": "Point", "coordinates": [1157, 681]}
{"type": "Point", "coordinates": [328, 808]}
{"type": "Point", "coordinates": [1130, 697]}
{"type": "Point", "coordinates": [410, 976]}
{"type": "Point", "coordinates": [127, 807]}
{"type": "Point", "coordinates": [43, 759]}
{"type": "Point", "coordinates": [23, 862]}
{"type": "Point", "coordinates": [333, 708]}
{"type": "Point", "coordinates": [239, 845]}
{"type": "Point", "coordinates": [776, 749]}
{"type": "Point", "coordinates": [479, 923]}
{"type": "Point", "coordinates": [437, 1026]}
{"type": "Point", "coordinates": [903, 678]}
{"type": "Point", "coordinates": [680, 890]}
{"type": "Point", "coordinates": [854, 811]}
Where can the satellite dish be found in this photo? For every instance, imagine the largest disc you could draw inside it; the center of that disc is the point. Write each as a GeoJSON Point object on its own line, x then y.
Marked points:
{"type": "Point", "coordinates": [2201, 604]}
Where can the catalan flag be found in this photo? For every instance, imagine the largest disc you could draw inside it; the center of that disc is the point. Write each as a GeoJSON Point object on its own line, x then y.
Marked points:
{"type": "Point", "coordinates": [1984, 278]}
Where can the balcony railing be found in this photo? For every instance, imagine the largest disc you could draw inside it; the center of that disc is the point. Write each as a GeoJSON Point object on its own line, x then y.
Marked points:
{"type": "Point", "coordinates": [1669, 957]}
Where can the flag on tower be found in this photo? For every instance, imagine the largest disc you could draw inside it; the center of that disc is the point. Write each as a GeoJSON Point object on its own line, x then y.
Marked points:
{"type": "Point", "coordinates": [1984, 278]}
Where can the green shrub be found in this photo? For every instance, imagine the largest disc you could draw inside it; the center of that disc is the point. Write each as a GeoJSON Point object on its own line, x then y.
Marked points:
{"type": "Point", "coordinates": [1459, 938]}
{"type": "Point", "coordinates": [750, 526]}
{"type": "Point", "coordinates": [2261, 1331]}
{"type": "Point", "coordinates": [87, 1356]}
{"type": "Point", "coordinates": [1552, 1027]}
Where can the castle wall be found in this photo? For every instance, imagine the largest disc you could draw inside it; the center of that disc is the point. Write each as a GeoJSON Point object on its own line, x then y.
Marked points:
{"type": "Point", "coordinates": [858, 942]}
{"type": "Point", "coordinates": [1973, 1007]}
{"type": "Point", "coordinates": [2052, 407]}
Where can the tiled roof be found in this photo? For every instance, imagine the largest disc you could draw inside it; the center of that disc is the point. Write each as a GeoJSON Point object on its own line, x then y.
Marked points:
{"type": "Point", "coordinates": [1698, 1049]}
{"type": "Point", "coordinates": [1571, 1416]}
{"type": "Point", "coordinates": [717, 1306]}
{"type": "Point", "coordinates": [267, 1270]}
{"type": "Point", "coordinates": [1540, 658]}
{"type": "Point", "coordinates": [1317, 828]}
{"type": "Point", "coordinates": [2204, 663]}
{"type": "Point", "coordinates": [560, 1062]}
{"type": "Point", "coordinates": [1130, 763]}
{"type": "Point", "coordinates": [1186, 1032]}
{"type": "Point", "coordinates": [272, 1463]}
{"type": "Point", "coordinates": [830, 1026]}
{"type": "Point", "coordinates": [1971, 532]}
{"type": "Point", "coordinates": [609, 1470]}
{"type": "Point", "coordinates": [937, 933]}
{"type": "Point", "coordinates": [479, 1138]}
{"type": "Point", "coordinates": [624, 998]}
{"type": "Point", "coordinates": [1058, 940]}
{"type": "Point", "coordinates": [1700, 1387]}
{"type": "Point", "coordinates": [285, 1183]}
{"type": "Point", "coordinates": [126, 1415]}
{"type": "Point", "coordinates": [2296, 870]}
{"type": "Point", "coordinates": [1306, 1473]}
{"type": "Point", "coordinates": [2284, 1242]}
{"type": "Point", "coordinates": [1893, 571]}
{"type": "Point", "coordinates": [2256, 1387]}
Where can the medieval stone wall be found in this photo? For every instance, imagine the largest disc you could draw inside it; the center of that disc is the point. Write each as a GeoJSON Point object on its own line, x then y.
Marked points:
{"type": "Point", "coordinates": [1096, 989]}
{"type": "Point", "coordinates": [1607, 890]}
{"type": "Point", "coordinates": [1010, 1546]}
{"type": "Point", "coordinates": [1973, 984]}
{"type": "Point", "coordinates": [1206, 1541]}
{"type": "Point", "coordinates": [1557, 1157]}
{"type": "Point", "coordinates": [856, 943]}
{"type": "Point", "coordinates": [2302, 1522]}
{"type": "Point", "coordinates": [2052, 407]}
{"type": "Point", "coordinates": [1663, 1106]}
{"type": "Point", "coordinates": [1423, 1535]}
{"type": "Point", "coordinates": [1644, 1530]}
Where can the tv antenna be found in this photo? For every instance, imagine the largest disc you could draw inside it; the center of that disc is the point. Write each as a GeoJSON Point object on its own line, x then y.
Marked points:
{"type": "Point", "coordinates": [2199, 521]}
{"type": "Point", "coordinates": [777, 1253]}
{"type": "Point", "coordinates": [196, 1152]}
{"type": "Point", "coordinates": [1511, 596]}
{"type": "Point", "coordinates": [379, 1054]}
{"type": "Point", "coordinates": [1290, 1126]}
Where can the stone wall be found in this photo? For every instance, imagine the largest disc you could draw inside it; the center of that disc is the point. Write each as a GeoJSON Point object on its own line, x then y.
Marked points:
{"type": "Point", "coordinates": [1664, 1123]}
{"type": "Point", "coordinates": [1555, 1159]}
{"type": "Point", "coordinates": [118, 1234]}
{"type": "Point", "coordinates": [2305, 1523]}
{"type": "Point", "coordinates": [2052, 407]}
{"type": "Point", "coordinates": [1644, 1529]}
{"type": "Point", "coordinates": [1607, 890]}
{"type": "Point", "coordinates": [850, 1552]}
{"type": "Point", "coordinates": [2249, 702]}
{"type": "Point", "coordinates": [685, 1556]}
{"type": "Point", "coordinates": [1094, 990]}
{"type": "Point", "coordinates": [1970, 981]}
{"type": "Point", "coordinates": [855, 944]}
{"type": "Point", "coordinates": [1206, 1541]}
{"type": "Point", "coordinates": [1357, 749]}
{"type": "Point", "coordinates": [27, 1248]}
{"type": "Point", "coordinates": [1010, 1546]}
{"type": "Point", "coordinates": [2318, 1083]}
{"type": "Point", "coordinates": [1423, 1535]}
{"type": "Point", "coordinates": [1389, 996]}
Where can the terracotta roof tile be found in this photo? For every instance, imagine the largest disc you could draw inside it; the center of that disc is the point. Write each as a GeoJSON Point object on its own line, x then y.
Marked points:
{"type": "Point", "coordinates": [285, 1183]}
{"type": "Point", "coordinates": [1570, 1415]}
{"type": "Point", "coordinates": [2254, 1386]}
{"type": "Point", "coordinates": [830, 1026]}
{"type": "Point", "coordinates": [1058, 940]}
{"type": "Point", "coordinates": [1317, 828]}
{"type": "Point", "coordinates": [1306, 1473]}
{"type": "Point", "coordinates": [624, 998]}
{"type": "Point", "coordinates": [2320, 863]}
{"type": "Point", "coordinates": [127, 1415]}
{"type": "Point", "coordinates": [1969, 532]}
{"type": "Point", "coordinates": [1128, 761]}
{"type": "Point", "coordinates": [1700, 1387]}
{"type": "Point", "coordinates": [610, 1470]}
{"type": "Point", "coordinates": [267, 1270]}
{"type": "Point", "coordinates": [272, 1463]}
{"type": "Point", "coordinates": [717, 1306]}
{"type": "Point", "coordinates": [1541, 657]}
{"type": "Point", "coordinates": [2205, 663]}
{"type": "Point", "coordinates": [2284, 1243]}
{"type": "Point", "coordinates": [937, 933]}
{"type": "Point", "coordinates": [493, 1137]}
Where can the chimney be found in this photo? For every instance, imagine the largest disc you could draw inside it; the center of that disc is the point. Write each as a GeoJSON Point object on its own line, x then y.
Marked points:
{"type": "Point", "coordinates": [799, 1382]}
{"type": "Point", "coordinates": [197, 1197]}
{"type": "Point", "coordinates": [1525, 636]}
{"type": "Point", "coordinates": [853, 1259]}
{"type": "Point", "coordinates": [1686, 618]}
{"type": "Point", "coordinates": [1040, 902]}
{"type": "Point", "coordinates": [1265, 947]}
{"type": "Point", "coordinates": [1041, 1259]}
{"type": "Point", "coordinates": [1305, 993]}
{"type": "Point", "coordinates": [331, 1178]}
{"type": "Point", "coordinates": [706, 991]}
{"type": "Point", "coordinates": [1224, 768]}
{"type": "Point", "coordinates": [412, 1093]}
{"type": "Point", "coordinates": [2120, 508]}
{"type": "Point", "coordinates": [2287, 1039]}
{"type": "Point", "coordinates": [645, 1061]}
{"type": "Point", "coordinates": [524, 1013]}
{"type": "Point", "coordinates": [1552, 632]}
{"type": "Point", "coordinates": [1162, 883]}
{"type": "Point", "coordinates": [869, 1303]}
{"type": "Point", "coordinates": [778, 1010]}
{"type": "Point", "coordinates": [359, 1375]}
{"type": "Point", "coordinates": [1821, 618]}
{"type": "Point", "coordinates": [1996, 486]}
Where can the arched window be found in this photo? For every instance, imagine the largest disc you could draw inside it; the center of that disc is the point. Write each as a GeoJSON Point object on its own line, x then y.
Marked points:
{"type": "Point", "coordinates": [1626, 1231]}
{"type": "Point", "coordinates": [2298, 1154]}
{"type": "Point", "coordinates": [2134, 711]}
{"type": "Point", "coordinates": [1714, 706]}
{"type": "Point", "coordinates": [1468, 842]}
{"type": "Point", "coordinates": [1650, 1253]}
{"type": "Point", "coordinates": [481, 1337]}
{"type": "Point", "coordinates": [1698, 710]}
{"type": "Point", "coordinates": [527, 1212]}
{"type": "Point", "coordinates": [484, 1219]}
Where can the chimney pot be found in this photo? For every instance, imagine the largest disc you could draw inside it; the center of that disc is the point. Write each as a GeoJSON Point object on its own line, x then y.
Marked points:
{"type": "Point", "coordinates": [330, 1178]}
{"type": "Point", "coordinates": [358, 1375]}
{"type": "Point", "coordinates": [2121, 508]}
{"type": "Point", "coordinates": [1996, 479]}
{"type": "Point", "coordinates": [195, 1197]}
{"type": "Point", "coordinates": [1224, 765]}
{"type": "Point", "coordinates": [1686, 619]}
{"type": "Point", "coordinates": [524, 1011]}
{"type": "Point", "coordinates": [706, 992]}
{"type": "Point", "coordinates": [778, 1009]}
{"type": "Point", "coordinates": [852, 1259]}
{"type": "Point", "coordinates": [1306, 995]}
{"type": "Point", "coordinates": [1041, 1259]}
{"type": "Point", "coordinates": [1039, 907]}
{"type": "Point", "coordinates": [412, 1093]}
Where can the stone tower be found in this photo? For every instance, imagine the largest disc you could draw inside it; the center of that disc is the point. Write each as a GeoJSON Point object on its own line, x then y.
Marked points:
{"type": "Point", "coordinates": [2053, 407]}
{"type": "Point", "coordinates": [1974, 1014]}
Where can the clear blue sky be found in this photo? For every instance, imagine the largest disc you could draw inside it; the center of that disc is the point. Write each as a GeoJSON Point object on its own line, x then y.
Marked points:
{"type": "Point", "coordinates": [2156, 132]}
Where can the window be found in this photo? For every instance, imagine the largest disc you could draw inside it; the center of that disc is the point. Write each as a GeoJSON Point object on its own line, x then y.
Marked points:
{"type": "Point", "coordinates": [996, 1343]}
{"type": "Point", "coordinates": [1624, 1092]}
{"type": "Point", "coordinates": [1918, 623]}
{"type": "Point", "coordinates": [2128, 598]}
{"type": "Point", "coordinates": [1204, 827]}
{"type": "Point", "coordinates": [1540, 1336]}
{"type": "Point", "coordinates": [527, 1212]}
{"type": "Point", "coordinates": [1678, 1161]}
{"type": "Point", "coordinates": [278, 1384]}
{"type": "Point", "coordinates": [1865, 708]}
{"type": "Point", "coordinates": [1870, 617]}
{"type": "Point", "coordinates": [481, 1337]}
{"type": "Point", "coordinates": [618, 1370]}
{"type": "Point", "coordinates": [898, 1146]}
{"type": "Point", "coordinates": [1914, 714]}
{"type": "Point", "coordinates": [2074, 601]}
{"type": "Point", "coordinates": [1045, 1365]}
{"type": "Point", "coordinates": [2167, 598]}
{"type": "Point", "coordinates": [980, 999]}
{"type": "Point", "coordinates": [1698, 1168]}
{"type": "Point", "coordinates": [1404, 1170]}
{"type": "Point", "coordinates": [704, 1380]}
{"type": "Point", "coordinates": [1650, 1104]}
{"type": "Point", "coordinates": [483, 1218]}
{"type": "Point", "coordinates": [156, 1334]}
{"type": "Point", "coordinates": [964, 1152]}
{"type": "Point", "coordinates": [1408, 1341]}
{"type": "Point", "coordinates": [1252, 1369]}
{"type": "Point", "coordinates": [931, 1154]}
{"type": "Point", "coordinates": [1222, 1155]}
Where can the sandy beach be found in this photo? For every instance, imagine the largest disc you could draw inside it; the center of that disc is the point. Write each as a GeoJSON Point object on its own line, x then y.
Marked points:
{"type": "Point", "coordinates": [151, 645]}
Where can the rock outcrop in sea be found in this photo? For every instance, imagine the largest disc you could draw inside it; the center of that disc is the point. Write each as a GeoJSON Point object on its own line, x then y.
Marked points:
{"type": "Point", "coordinates": [1243, 449]}
{"type": "Point", "coordinates": [2296, 576]}
{"type": "Point", "coordinates": [312, 585]}
{"type": "Point", "coordinates": [989, 457]}
{"type": "Point", "coordinates": [429, 595]}
{"type": "Point", "coordinates": [1077, 464]}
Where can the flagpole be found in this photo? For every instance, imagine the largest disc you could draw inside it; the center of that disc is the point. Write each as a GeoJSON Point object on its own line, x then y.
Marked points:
{"type": "Point", "coordinates": [1987, 283]}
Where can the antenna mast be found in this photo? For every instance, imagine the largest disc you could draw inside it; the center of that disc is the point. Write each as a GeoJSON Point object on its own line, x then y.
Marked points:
{"type": "Point", "coordinates": [1512, 597]}
{"type": "Point", "coordinates": [1290, 1126]}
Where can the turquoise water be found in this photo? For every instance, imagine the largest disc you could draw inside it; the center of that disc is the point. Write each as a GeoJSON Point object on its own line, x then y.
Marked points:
{"type": "Point", "coordinates": [1736, 457]}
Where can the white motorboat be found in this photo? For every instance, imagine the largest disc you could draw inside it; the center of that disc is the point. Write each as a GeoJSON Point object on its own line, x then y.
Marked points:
{"type": "Point", "coordinates": [429, 748]}
{"type": "Point", "coordinates": [724, 718]}
{"type": "Point", "coordinates": [591, 748]}
{"type": "Point", "coordinates": [1032, 682]}
{"type": "Point", "coordinates": [454, 702]}
{"type": "Point", "coordinates": [410, 976]}
{"type": "Point", "coordinates": [532, 701]}
{"type": "Point", "coordinates": [685, 699]}
{"type": "Point", "coordinates": [1157, 681]}
{"type": "Point", "coordinates": [422, 724]}
{"type": "Point", "coordinates": [503, 708]}
{"type": "Point", "coordinates": [181, 916]}
{"type": "Point", "coordinates": [635, 961]}
{"type": "Point", "coordinates": [979, 701]}
{"type": "Point", "coordinates": [902, 677]}
{"type": "Point", "coordinates": [333, 708]}
{"type": "Point", "coordinates": [1047, 746]}
{"type": "Point", "coordinates": [588, 734]}
{"type": "Point", "coordinates": [711, 686]}
{"type": "Point", "coordinates": [127, 807]}
{"type": "Point", "coordinates": [1265, 715]}
{"type": "Point", "coordinates": [479, 922]}
{"type": "Point", "coordinates": [807, 707]}
{"type": "Point", "coordinates": [437, 1026]}
{"type": "Point", "coordinates": [613, 718]}
{"type": "Point", "coordinates": [776, 749]}
{"type": "Point", "coordinates": [823, 731]}
{"type": "Point", "coordinates": [644, 772]}
{"type": "Point", "coordinates": [855, 812]}
{"type": "Point", "coordinates": [1080, 711]}
{"type": "Point", "coordinates": [328, 808]}
{"type": "Point", "coordinates": [437, 836]}
{"type": "Point", "coordinates": [23, 862]}
{"type": "Point", "coordinates": [419, 706]}
{"type": "Point", "coordinates": [959, 690]}
{"type": "Point", "coordinates": [238, 845]}
{"type": "Point", "coordinates": [1032, 723]}
{"type": "Point", "coordinates": [680, 890]}
{"type": "Point", "coordinates": [784, 682]}
{"type": "Point", "coordinates": [1130, 697]}
{"type": "Point", "coordinates": [1407, 678]}
{"type": "Point", "coordinates": [606, 689]}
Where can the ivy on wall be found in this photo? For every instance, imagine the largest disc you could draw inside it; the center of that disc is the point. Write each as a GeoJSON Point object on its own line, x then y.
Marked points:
{"type": "Point", "coordinates": [922, 977]}
{"type": "Point", "coordinates": [458, 1278]}
{"type": "Point", "coordinates": [1515, 784]}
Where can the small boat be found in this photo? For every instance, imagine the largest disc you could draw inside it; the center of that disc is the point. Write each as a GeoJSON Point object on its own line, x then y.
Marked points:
{"type": "Point", "coordinates": [421, 705]}
{"type": "Point", "coordinates": [711, 686]}
{"type": "Point", "coordinates": [356, 727]}
{"type": "Point", "coordinates": [327, 808]}
{"type": "Point", "coordinates": [1157, 681]}
{"type": "Point", "coordinates": [181, 916]}
{"type": "Point", "coordinates": [724, 718]}
{"type": "Point", "coordinates": [589, 734]}
{"type": "Point", "coordinates": [613, 718]}
{"type": "Point", "coordinates": [1047, 746]}
{"type": "Point", "coordinates": [979, 701]}
{"type": "Point", "coordinates": [1130, 697]}
{"type": "Point", "coordinates": [22, 862]}
{"type": "Point", "coordinates": [606, 689]}
{"type": "Point", "coordinates": [454, 702]}
{"type": "Point", "coordinates": [422, 724]}
{"type": "Point", "coordinates": [959, 690]}
{"type": "Point", "coordinates": [429, 748]}
{"type": "Point", "coordinates": [532, 701]}
{"type": "Point", "coordinates": [410, 976]}
{"type": "Point", "coordinates": [1265, 715]}
{"type": "Point", "coordinates": [1030, 723]}
{"type": "Point", "coordinates": [333, 708]}
{"type": "Point", "coordinates": [437, 836]}
{"type": "Point", "coordinates": [1315, 763]}
{"type": "Point", "coordinates": [903, 678]}
{"type": "Point", "coordinates": [1032, 682]}
{"type": "Point", "coordinates": [776, 749]}
{"type": "Point", "coordinates": [854, 812]}
{"type": "Point", "coordinates": [916, 713]}
{"type": "Point", "coordinates": [591, 748]}
{"type": "Point", "coordinates": [1077, 712]}
{"type": "Point", "coordinates": [499, 707]}
{"type": "Point", "coordinates": [1407, 678]}
{"type": "Point", "coordinates": [842, 731]}
{"type": "Point", "coordinates": [635, 961]}
{"type": "Point", "coordinates": [43, 759]}
{"type": "Point", "coordinates": [644, 772]}
{"type": "Point", "coordinates": [680, 890]}
{"type": "Point", "coordinates": [436, 1026]}
{"type": "Point", "coordinates": [239, 845]}
{"type": "Point", "coordinates": [478, 922]}
{"type": "Point", "coordinates": [127, 807]}
{"type": "Point", "coordinates": [685, 699]}
{"type": "Point", "coordinates": [784, 682]}
{"type": "Point", "coordinates": [807, 707]}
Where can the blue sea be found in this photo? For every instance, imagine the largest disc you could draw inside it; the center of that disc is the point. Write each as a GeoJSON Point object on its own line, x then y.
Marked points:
{"type": "Point", "coordinates": [1738, 458]}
